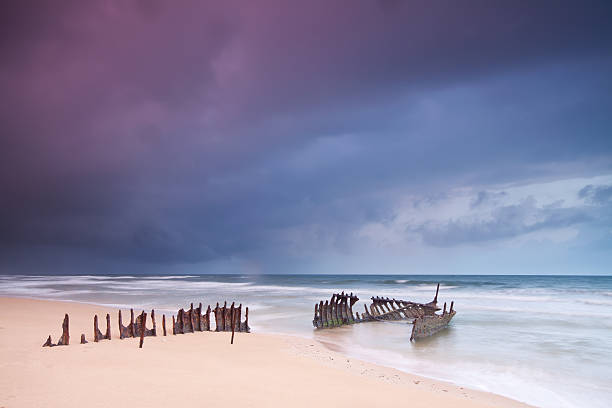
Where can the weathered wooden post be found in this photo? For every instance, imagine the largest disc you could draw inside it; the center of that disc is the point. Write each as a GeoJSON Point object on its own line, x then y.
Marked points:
{"type": "Point", "coordinates": [396, 312]}
{"type": "Point", "coordinates": [83, 341]}
{"type": "Point", "coordinates": [217, 318]}
{"type": "Point", "coordinates": [379, 307]}
{"type": "Point", "coordinates": [97, 332]}
{"type": "Point", "coordinates": [229, 317]}
{"type": "Point", "coordinates": [328, 316]}
{"type": "Point", "coordinates": [223, 310]}
{"type": "Point", "coordinates": [389, 308]}
{"type": "Point", "coordinates": [345, 316]}
{"type": "Point", "coordinates": [191, 319]}
{"type": "Point", "coordinates": [48, 343]}
{"type": "Point", "coordinates": [132, 328]}
{"type": "Point", "coordinates": [143, 324]}
{"type": "Point", "coordinates": [349, 313]}
{"type": "Point", "coordinates": [173, 326]}
{"type": "Point", "coordinates": [414, 325]}
{"type": "Point", "coordinates": [65, 339]}
{"type": "Point", "coordinates": [321, 314]}
{"type": "Point", "coordinates": [239, 316]}
{"type": "Point", "coordinates": [207, 322]}
{"type": "Point", "coordinates": [108, 327]}
{"type": "Point", "coordinates": [121, 336]}
{"type": "Point", "coordinates": [444, 310]}
{"type": "Point", "coordinates": [198, 318]}
{"type": "Point", "coordinates": [154, 329]}
{"type": "Point", "coordinates": [323, 311]}
{"type": "Point", "coordinates": [226, 318]}
{"type": "Point", "coordinates": [180, 322]}
{"type": "Point", "coordinates": [233, 313]}
{"type": "Point", "coordinates": [352, 301]}
{"type": "Point", "coordinates": [332, 314]}
{"type": "Point", "coordinates": [339, 317]}
{"type": "Point", "coordinates": [164, 324]}
{"type": "Point", "coordinates": [373, 310]}
{"type": "Point", "coordinates": [320, 306]}
{"type": "Point", "coordinates": [335, 310]}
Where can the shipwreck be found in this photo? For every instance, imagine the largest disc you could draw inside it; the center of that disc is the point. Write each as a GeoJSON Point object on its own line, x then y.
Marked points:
{"type": "Point", "coordinates": [338, 311]}
{"type": "Point", "coordinates": [226, 319]}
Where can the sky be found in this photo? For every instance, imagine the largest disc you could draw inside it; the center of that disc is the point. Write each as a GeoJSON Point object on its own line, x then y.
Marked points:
{"type": "Point", "coordinates": [355, 136]}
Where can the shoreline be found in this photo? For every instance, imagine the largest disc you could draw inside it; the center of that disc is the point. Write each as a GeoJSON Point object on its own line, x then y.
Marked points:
{"type": "Point", "coordinates": [203, 366]}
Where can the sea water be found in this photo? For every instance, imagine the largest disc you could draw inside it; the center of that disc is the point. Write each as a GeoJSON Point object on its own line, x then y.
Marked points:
{"type": "Point", "coordinates": [544, 340]}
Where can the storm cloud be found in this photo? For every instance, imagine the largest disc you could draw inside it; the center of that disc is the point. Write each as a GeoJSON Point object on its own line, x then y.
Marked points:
{"type": "Point", "coordinates": [194, 134]}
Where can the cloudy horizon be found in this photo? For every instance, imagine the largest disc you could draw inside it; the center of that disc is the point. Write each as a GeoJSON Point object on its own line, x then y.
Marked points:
{"type": "Point", "coordinates": [314, 137]}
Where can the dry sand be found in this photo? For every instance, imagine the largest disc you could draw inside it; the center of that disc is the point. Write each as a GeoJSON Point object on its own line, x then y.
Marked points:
{"type": "Point", "coordinates": [194, 370]}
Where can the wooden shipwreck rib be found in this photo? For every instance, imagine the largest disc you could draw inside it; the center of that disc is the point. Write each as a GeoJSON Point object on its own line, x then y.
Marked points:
{"type": "Point", "coordinates": [227, 319]}
{"type": "Point", "coordinates": [338, 311]}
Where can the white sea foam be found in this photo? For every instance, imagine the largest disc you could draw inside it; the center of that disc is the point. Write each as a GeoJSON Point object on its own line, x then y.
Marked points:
{"type": "Point", "coordinates": [523, 311]}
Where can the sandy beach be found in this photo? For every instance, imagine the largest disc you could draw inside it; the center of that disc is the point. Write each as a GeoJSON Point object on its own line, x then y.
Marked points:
{"type": "Point", "coordinates": [200, 369]}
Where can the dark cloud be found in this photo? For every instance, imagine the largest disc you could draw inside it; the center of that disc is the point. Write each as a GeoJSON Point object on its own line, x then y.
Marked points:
{"type": "Point", "coordinates": [507, 221]}
{"type": "Point", "coordinates": [596, 194]}
{"type": "Point", "coordinates": [165, 134]}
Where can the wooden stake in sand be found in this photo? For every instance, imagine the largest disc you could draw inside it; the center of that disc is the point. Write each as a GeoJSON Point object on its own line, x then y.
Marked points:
{"type": "Point", "coordinates": [207, 324]}
{"type": "Point", "coordinates": [191, 319]}
{"type": "Point", "coordinates": [107, 336]}
{"type": "Point", "coordinates": [48, 343]}
{"type": "Point", "coordinates": [120, 322]}
{"type": "Point", "coordinates": [123, 330]}
{"type": "Point", "coordinates": [143, 321]}
{"type": "Point", "coordinates": [246, 328]}
{"type": "Point", "coordinates": [226, 318]}
{"type": "Point", "coordinates": [65, 339]}
{"type": "Point", "coordinates": [217, 318]}
{"type": "Point", "coordinates": [233, 312]}
{"type": "Point", "coordinates": [132, 328]}
{"type": "Point", "coordinates": [223, 316]}
{"type": "Point", "coordinates": [97, 332]}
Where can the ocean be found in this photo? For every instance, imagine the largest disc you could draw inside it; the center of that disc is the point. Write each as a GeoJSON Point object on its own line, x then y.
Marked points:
{"type": "Point", "coordinates": [544, 340]}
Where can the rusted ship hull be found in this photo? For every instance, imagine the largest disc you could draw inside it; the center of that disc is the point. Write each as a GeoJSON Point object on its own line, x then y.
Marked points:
{"type": "Point", "coordinates": [338, 311]}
